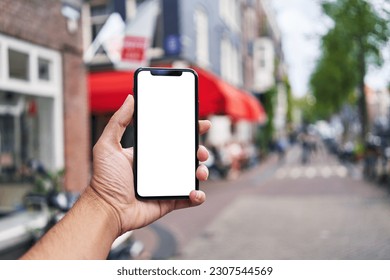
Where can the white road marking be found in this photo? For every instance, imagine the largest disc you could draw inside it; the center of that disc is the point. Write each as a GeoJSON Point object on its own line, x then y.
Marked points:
{"type": "Point", "coordinates": [310, 172]}
{"type": "Point", "coordinates": [341, 171]}
{"type": "Point", "coordinates": [326, 171]}
{"type": "Point", "coordinates": [295, 172]}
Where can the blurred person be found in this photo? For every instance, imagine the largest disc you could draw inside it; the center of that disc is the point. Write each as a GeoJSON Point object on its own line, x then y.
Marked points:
{"type": "Point", "coordinates": [108, 206]}
{"type": "Point", "coordinates": [250, 155]}
{"type": "Point", "coordinates": [235, 153]}
{"type": "Point", "coordinates": [245, 157]}
{"type": "Point", "coordinates": [226, 160]}
{"type": "Point", "coordinates": [215, 162]}
{"type": "Point", "coordinates": [281, 147]}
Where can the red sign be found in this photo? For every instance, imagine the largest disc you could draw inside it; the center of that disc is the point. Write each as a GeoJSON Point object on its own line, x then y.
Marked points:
{"type": "Point", "coordinates": [134, 49]}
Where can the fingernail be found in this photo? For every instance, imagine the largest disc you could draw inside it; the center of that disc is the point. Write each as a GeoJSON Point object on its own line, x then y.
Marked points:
{"type": "Point", "coordinates": [207, 172]}
{"type": "Point", "coordinates": [128, 97]}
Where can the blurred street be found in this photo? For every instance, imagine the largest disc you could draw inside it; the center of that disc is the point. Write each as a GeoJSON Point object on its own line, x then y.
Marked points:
{"type": "Point", "coordinates": [322, 210]}
{"type": "Point", "coordinates": [297, 91]}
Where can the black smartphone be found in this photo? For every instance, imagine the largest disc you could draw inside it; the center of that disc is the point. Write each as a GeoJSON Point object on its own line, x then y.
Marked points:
{"type": "Point", "coordinates": [165, 133]}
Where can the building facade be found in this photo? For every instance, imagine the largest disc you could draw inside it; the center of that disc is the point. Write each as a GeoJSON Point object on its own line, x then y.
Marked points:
{"type": "Point", "coordinates": [217, 36]}
{"type": "Point", "coordinates": [43, 93]}
{"type": "Point", "coordinates": [205, 33]}
{"type": "Point", "coordinates": [378, 107]}
{"type": "Point", "coordinates": [269, 67]}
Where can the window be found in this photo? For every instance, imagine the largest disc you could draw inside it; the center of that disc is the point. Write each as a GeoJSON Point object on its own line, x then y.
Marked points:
{"type": "Point", "coordinates": [98, 10]}
{"type": "Point", "coordinates": [230, 13]}
{"type": "Point", "coordinates": [202, 37]}
{"type": "Point", "coordinates": [44, 67]}
{"type": "Point", "coordinates": [18, 65]}
{"type": "Point", "coordinates": [20, 133]}
{"type": "Point", "coordinates": [99, 15]}
{"type": "Point", "coordinates": [225, 62]}
{"type": "Point", "coordinates": [231, 67]}
{"type": "Point", "coordinates": [262, 56]}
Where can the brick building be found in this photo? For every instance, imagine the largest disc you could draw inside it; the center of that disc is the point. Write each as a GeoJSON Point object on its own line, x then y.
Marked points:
{"type": "Point", "coordinates": [43, 93]}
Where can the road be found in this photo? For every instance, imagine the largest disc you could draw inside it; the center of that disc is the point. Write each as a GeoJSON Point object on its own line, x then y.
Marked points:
{"type": "Point", "coordinates": [322, 210]}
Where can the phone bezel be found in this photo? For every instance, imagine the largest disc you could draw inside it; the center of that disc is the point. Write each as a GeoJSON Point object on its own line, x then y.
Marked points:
{"type": "Point", "coordinates": [168, 71]}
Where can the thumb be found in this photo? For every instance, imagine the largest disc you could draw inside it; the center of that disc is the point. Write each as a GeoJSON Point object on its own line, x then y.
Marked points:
{"type": "Point", "coordinates": [115, 128]}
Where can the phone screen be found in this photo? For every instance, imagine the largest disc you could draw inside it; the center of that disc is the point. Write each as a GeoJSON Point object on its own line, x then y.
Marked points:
{"type": "Point", "coordinates": [166, 132]}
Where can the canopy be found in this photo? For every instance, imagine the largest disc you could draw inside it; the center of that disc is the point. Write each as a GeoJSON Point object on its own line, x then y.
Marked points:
{"type": "Point", "coordinates": [108, 90]}
{"type": "Point", "coordinates": [219, 97]}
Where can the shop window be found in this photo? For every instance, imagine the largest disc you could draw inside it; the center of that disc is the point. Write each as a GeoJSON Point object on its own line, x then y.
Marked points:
{"type": "Point", "coordinates": [44, 67]}
{"type": "Point", "coordinates": [21, 133]}
{"type": "Point", "coordinates": [18, 65]}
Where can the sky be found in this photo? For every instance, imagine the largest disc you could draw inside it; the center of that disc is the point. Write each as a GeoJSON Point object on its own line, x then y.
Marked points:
{"type": "Point", "coordinates": [302, 24]}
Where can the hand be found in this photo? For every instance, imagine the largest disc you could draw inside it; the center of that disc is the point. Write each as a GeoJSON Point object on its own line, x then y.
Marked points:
{"type": "Point", "coordinates": [112, 181]}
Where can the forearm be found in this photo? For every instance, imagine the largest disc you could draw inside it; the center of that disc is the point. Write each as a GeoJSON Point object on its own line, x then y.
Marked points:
{"type": "Point", "coordinates": [86, 232]}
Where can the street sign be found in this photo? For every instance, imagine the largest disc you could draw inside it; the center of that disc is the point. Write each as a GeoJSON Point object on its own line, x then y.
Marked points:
{"type": "Point", "coordinates": [134, 48]}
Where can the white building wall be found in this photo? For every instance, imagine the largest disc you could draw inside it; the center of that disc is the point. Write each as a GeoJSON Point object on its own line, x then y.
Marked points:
{"type": "Point", "coordinates": [264, 64]}
{"type": "Point", "coordinates": [244, 132]}
{"type": "Point", "coordinates": [280, 109]}
{"type": "Point", "coordinates": [220, 132]}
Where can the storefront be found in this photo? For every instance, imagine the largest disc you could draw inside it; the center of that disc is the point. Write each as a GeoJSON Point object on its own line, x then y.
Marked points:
{"type": "Point", "coordinates": [31, 108]}
{"type": "Point", "coordinates": [235, 113]}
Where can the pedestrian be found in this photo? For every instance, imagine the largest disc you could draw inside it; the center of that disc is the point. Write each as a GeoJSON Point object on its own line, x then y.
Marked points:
{"type": "Point", "coordinates": [281, 147]}
{"type": "Point", "coordinates": [235, 154]}
{"type": "Point", "coordinates": [305, 140]}
{"type": "Point", "coordinates": [108, 207]}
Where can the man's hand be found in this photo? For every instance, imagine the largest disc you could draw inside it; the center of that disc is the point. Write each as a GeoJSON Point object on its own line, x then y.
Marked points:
{"type": "Point", "coordinates": [112, 182]}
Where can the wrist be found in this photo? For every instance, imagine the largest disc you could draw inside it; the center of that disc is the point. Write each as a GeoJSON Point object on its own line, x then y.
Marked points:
{"type": "Point", "coordinates": [107, 211]}
{"type": "Point", "coordinates": [87, 231]}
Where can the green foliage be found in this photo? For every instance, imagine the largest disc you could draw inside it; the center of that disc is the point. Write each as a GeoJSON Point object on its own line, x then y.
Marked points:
{"type": "Point", "coordinates": [265, 134]}
{"type": "Point", "coordinates": [307, 105]}
{"type": "Point", "coordinates": [335, 76]}
{"type": "Point", "coordinates": [290, 102]}
{"type": "Point", "coordinates": [353, 43]}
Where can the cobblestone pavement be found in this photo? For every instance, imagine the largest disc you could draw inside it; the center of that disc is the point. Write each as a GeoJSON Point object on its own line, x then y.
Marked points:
{"type": "Point", "coordinates": [322, 210]}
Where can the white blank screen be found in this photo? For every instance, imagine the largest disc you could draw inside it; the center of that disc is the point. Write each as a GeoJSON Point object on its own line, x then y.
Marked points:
{"type": "Point", "coordinates": [166, 134]}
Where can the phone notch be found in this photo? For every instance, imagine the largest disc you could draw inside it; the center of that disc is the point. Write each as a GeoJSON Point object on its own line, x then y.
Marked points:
{"type": "Point", "coordinates": [166, 72]}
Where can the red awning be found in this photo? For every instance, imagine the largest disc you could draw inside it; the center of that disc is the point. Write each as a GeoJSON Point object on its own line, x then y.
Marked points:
{"type": "Point", "coordinates": [235, 105]}
{"type": "Point", "coordinates": [255, 111]}
{"type": "Point", "coordinates": [219, 97]}
{"type": "Point", "coordinates": [108, 90]}
{"type": "Point", "coordinates": [211, 99]}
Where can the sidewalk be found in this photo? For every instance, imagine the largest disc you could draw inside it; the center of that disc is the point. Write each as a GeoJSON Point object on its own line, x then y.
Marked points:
{"type": "Point", "coordinates": [161, 243]}
{"type": "Point", "coordinates": [338, 217]}
{"type": "Point", "coordinates": [261, 216]}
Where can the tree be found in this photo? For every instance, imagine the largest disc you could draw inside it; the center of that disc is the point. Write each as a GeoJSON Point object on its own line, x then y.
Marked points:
{"type": "Point", "coordinates": [350, 46]}
{"type": "Point", "coordinates": [334, 78]}
{"type": "Point", "coordinates": [265, 134]}
{"type": "Point", "coordinates": [289, 113]}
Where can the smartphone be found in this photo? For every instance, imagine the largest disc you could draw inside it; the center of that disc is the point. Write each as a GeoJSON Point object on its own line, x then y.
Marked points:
{"type": "Point", "coordinates": [165, 133]}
